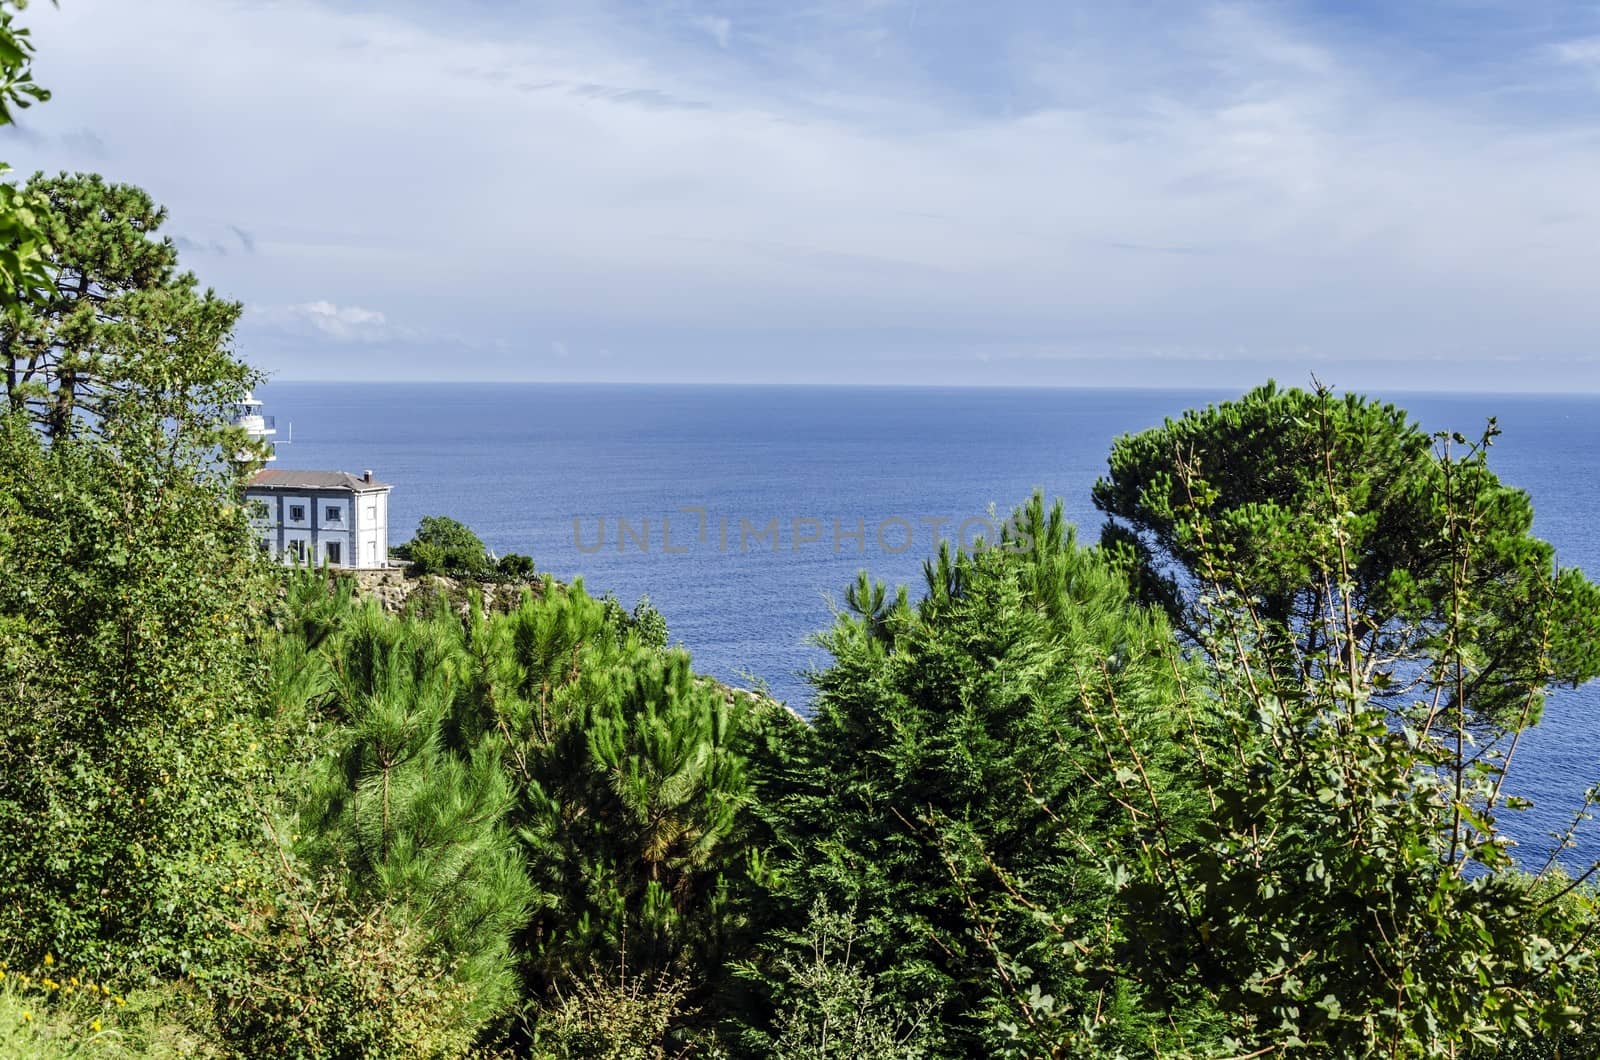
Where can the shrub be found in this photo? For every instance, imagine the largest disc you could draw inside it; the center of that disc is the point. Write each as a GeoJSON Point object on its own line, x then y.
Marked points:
{"type": "Point", "coordinates": [610, 1017]}
{"type": "Point", "coordinates": [327, 977]}
{"type": "Point", "coordinates": [516, 566]}
{"type": "Point", "coordinates": [444, 546]}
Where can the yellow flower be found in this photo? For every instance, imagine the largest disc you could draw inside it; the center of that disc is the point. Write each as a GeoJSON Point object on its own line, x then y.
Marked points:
{"type": "Point", "coordinates": [27, 1017]}
{"type": "Point", "coordinates": [119, 1001]}
{"type": "Point", "coordinates": [48, 960]}
{"type": "Point", "coordinates": [94, 1025]}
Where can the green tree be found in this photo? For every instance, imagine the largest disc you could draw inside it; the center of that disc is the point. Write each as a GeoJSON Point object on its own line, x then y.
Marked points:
{"type": "Point", "coordinates": [1321, 514]}
{"type": "Point", "coordinates": [1378, 634]}
{"type": "Point", "coordinates": [120, 329]}
{"type": "Point", "coordinates": [408, 823]}
{"type": "Point", "coordinates": [515, 566]}
{"type": "Point", "coordinates": [950, 768]}
{"type": "Point", "coordinates": [442, 545]}
{"type": "Point", "coordinates": [649, 624]}
{"type": "Point", "coordinates": [24, 244]}
{"type": "Point", "coordinates": [829, 1006]}
{"type": "Point", "coordinates": [632, 799]}
{"type": "Point", "coordinates": [127, 586]}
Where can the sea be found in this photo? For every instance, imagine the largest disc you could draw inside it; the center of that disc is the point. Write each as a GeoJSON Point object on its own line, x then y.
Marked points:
{"type": "Point", "coordinates": [743, 512]}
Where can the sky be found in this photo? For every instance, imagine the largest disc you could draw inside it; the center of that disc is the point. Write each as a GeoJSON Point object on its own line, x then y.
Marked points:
{"type": "Point", "coordinates": [1022, 192]}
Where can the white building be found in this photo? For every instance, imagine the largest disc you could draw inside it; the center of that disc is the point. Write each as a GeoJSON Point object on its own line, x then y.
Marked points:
{"type": "Point", "coordinates": [321, 518]}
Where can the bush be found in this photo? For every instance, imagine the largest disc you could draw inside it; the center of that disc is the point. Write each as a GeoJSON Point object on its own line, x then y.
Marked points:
{"type": "Point", "coordinates": [444, 546]}
{"type": "Point", "coordinates": [515, 565]}
{"type": "Point", "coordinates": [329, 978]}
{"type": "Point", "coordinates": [611, 1018]}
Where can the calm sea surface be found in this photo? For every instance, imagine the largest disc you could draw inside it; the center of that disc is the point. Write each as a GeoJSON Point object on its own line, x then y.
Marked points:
{"type": "Point", "coordinates": [556, 470]}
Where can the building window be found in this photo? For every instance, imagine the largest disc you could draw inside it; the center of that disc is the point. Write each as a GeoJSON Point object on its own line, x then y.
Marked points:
{"type": "Point", "coordinates": [334, 515]}
{"type": "Point", "coordinates": [297, 551]}
{"type": "Point", "coordinates": [266, 544]}
{"type": "Point", "coordinates": [297, 513]}
{"type": "Point", "coordinates": [335, 554]}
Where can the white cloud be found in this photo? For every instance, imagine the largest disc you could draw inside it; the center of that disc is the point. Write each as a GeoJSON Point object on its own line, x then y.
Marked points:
{"type": "Point", "coordinates": [1584, 51]}
{"type": "Point", "coordinates": [349, 323]}
{"type": "Point", "coordinates": [827, 193]}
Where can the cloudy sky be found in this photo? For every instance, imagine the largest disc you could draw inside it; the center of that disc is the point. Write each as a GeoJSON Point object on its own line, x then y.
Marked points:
{"type": "Point", "coordinates": [890, 191]}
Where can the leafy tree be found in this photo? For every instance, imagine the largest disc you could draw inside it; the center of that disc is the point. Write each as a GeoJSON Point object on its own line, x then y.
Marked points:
{"type": "Point", "coordinates": [516, 566]}
{"type": "Point", "coordinates": [1349, 891]}
{"type": "Point", "coordinates": [1321, 514]}
{"type": "Point", "coordinates": [23, 241]}
{"type": "Point", "coordinates": [130, 584]}
{"type": "Point", "coordinates": [328, 977]}
{"type": "Point", "coordinates": [125, 616]}
{"type": "Point", "coordinates": [830, 1007]}
{"type": "Point", "coordinates": [120, 327]}
{"type": "Point", "coordinates": [649, 624]}
{"type": "Point", "coordinates": [442, 545]}
{"type": "Point", "coordinates": [603, 1017]}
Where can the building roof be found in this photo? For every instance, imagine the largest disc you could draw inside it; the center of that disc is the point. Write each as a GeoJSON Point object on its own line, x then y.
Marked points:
{"type": "Point", "coordinates": [276, 479]}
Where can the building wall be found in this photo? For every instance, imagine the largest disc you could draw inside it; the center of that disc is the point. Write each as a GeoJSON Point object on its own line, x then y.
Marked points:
{"type": "Point", "coordinates": [335, 527]}
{"type": "Point", "coordinates": [372, 528]}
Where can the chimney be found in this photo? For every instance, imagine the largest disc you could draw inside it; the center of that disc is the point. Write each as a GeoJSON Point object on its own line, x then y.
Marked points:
{"type": "Point", "coordinates": [366, 476]}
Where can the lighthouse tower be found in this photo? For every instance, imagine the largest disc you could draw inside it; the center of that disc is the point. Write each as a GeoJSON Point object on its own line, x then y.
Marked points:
{"type": "Point", "coordinates": [257, 428]}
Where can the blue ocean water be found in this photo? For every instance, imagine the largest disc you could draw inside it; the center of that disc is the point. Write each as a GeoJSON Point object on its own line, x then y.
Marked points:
{"type": "Point", "coordinates": [742, 504]}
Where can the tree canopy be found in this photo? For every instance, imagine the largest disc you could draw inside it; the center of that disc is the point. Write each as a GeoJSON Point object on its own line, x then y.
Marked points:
{"type": "Point", "coordinates": [1318, 513]}
{"type": "Point", "coordinates": [120, 329]}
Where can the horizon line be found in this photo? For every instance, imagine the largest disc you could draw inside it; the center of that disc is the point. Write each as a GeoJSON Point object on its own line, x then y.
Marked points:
{"type": "Point", "coordinates": [791, 384]}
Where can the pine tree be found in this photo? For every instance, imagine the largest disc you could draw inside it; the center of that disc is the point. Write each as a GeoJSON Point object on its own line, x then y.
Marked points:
{"type": "Point", "coordinates": [631, 794]}
{"type": "Point", "coordinates": [948, 772]}
{"type": "Point", "coordinates": [407, 819]}
{"type": "Point", "coordinates": [120, 327]}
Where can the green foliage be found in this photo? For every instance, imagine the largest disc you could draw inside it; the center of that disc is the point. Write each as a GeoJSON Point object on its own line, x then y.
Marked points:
{"type": "Point", "coordinates": [53, 1014]}
{"type": "Point", "coordinates": [125, 603]}
{"type": "Point", "coordinates": [1349, 891]}
{"type": "Point", "coordinates": [515, 566]}
{"type": "Point", "coordinates": [1304, 506]}
{"type": "Point", "coordinates": [121, 333]}
{"type": "Point", "coordinates": [649, 624]}
{"type": "Point", "coordinates": [327, 977]}
{"type": "Point", "coordinates": [829, 1006]}
{"type": "Point", "coordinates": [603, 1017]}
{"type": "Point", "coordinates": [407, 823]}
{"type": "Point", "coordinates": [24, 244]}
{"type": "Point", "coordinates": [443, 546]}
{"type": "Point", "coordinates": [613, 765]}
{"type": "Point", "coordinates": [631, 789]}
{"type": "Point", "coordinates": [18, 91]}
{"type": "Point", "coordinates": [950, 766]}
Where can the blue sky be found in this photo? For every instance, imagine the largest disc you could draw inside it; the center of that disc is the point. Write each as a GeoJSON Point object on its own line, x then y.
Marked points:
{"type": "Point", "coordinates": [879, 191]}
